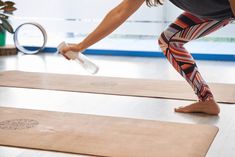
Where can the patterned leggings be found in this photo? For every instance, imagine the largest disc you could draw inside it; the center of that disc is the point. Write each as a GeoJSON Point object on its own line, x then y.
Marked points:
{"type": "Point", "coordinates": [188, 27]}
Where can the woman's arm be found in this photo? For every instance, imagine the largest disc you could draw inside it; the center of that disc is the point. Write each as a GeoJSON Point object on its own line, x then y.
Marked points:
{"type": "Point", "coordinates": [112, 20]}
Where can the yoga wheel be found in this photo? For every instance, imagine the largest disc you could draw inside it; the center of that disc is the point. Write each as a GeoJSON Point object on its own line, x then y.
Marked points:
{"type": "Point", "coordinates": [31, 34]}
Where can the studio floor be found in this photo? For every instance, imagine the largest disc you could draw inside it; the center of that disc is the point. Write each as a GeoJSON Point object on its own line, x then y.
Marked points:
{"type": "Point", "coordinates": [117, 106]}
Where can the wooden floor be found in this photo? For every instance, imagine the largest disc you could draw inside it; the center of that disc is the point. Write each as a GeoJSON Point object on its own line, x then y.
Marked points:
{"type": "Point", "coordinates": [118, 106]}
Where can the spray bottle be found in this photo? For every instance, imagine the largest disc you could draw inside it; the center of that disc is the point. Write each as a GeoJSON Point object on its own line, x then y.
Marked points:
{"type": "Point", "coordinates": [80, 58]}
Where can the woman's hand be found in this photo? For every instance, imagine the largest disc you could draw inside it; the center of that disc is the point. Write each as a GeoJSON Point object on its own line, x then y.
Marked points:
{"type": "Point", "coordinates": [71, 51]}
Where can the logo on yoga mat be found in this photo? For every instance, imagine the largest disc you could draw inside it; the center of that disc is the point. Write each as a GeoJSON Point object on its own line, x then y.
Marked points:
{"type": "Point", "coordinates": [18, 124]}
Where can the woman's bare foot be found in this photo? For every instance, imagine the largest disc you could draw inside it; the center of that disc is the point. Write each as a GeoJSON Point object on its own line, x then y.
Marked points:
{"type": "Point", "coordinates": [207, 107]}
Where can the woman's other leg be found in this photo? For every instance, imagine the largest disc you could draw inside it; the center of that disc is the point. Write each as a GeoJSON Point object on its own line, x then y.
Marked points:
{"type": "Point", "coordinates": [188, 27]}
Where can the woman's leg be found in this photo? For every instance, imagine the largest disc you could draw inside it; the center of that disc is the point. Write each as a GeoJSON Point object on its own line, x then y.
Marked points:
{"type": "Point", "coordinates": [188, 27]}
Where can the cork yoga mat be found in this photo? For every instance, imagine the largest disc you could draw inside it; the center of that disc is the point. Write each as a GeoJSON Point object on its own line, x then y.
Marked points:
{"type": "Point", "coordinates": [101, 135]}
{"type": "Point", "coordinates": [224, 93]}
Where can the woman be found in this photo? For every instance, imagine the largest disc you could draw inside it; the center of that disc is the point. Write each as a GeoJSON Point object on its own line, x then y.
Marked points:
{"type": "Point", "coordinates": [199, 19]}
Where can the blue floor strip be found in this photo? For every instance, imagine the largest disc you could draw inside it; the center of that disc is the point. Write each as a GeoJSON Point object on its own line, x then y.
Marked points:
{"type": "Point", "coordinates": [197, 56]}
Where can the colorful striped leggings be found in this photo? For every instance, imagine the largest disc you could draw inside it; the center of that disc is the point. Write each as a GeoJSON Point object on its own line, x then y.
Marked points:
{"type": "Point", "coordinates": [188, 27]}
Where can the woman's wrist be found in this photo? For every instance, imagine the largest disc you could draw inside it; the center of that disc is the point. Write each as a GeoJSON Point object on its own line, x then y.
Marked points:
{"type": "Point", "coordinates": [80, 47]}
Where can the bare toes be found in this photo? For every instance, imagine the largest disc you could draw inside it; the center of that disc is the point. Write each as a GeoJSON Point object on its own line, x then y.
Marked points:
{"type": "Point", "coordinates": [181, 109]}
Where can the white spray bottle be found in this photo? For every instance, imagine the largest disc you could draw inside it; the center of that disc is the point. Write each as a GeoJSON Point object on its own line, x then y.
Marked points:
{"type": "Point", "coordinates": [84, 61]}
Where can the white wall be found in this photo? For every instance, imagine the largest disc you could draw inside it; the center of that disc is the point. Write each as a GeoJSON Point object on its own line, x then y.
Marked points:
{"type": "Point", "coordinates": [87, 14]}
